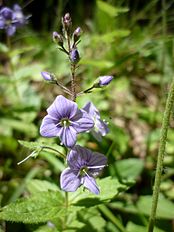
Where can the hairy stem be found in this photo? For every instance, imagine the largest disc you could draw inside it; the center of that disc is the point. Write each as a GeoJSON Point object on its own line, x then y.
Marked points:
{"type": "Point", "coordinates": [161, 152]}
{"type": "Point", "coordinates": [63, 87]}
{"type": "Point", "coordinates": [65, 219]}
{"type": "Point", "coordinates": [73, 69]}
{"type": "Point", "coordinates": [73, 85]}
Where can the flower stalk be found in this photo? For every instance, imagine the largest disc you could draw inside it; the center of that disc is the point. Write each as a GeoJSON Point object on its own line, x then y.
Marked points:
{"type": "Point", "coordinates": [161, 152]}
{"type": "Point", "coordinates": [73, 85]}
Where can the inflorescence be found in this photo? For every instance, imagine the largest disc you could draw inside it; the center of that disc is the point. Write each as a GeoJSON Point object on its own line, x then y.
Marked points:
{"type": "Point", "coordinates": [65, 120]}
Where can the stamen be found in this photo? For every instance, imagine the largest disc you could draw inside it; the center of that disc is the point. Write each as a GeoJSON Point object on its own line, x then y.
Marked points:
{"type": "Point", "coordinates": [93, 167]}
{"type": "Point", "coordinates": [86, 173]}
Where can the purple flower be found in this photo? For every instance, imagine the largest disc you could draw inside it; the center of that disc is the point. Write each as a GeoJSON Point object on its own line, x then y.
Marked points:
{"type": "Point", "coordinates": [105, 80]}
{"type": "Point", "coordinates": [84, 165]}
{"type": "Point", "coordinates": [100, 127]}
{"type": "Point", "coordinates": [6, 18]}
{"type": "Point", "coordinates": [11, 19]}
{"type": "Point", "coordinates": [65, 120]}
{"type": "Point", "coordinates": [18, 17]}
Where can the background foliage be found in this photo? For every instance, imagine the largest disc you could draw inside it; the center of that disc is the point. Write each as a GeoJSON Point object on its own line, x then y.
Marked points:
{"type": "Point", "coordinates": [133, 42]}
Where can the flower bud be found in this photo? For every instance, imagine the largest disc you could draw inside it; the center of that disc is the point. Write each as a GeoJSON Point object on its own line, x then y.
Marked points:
{"type": "Point", "coordinates": [77, 33]}
{"type": "Point", "coordinates": [74, 56]}
{"type": "Point", "coordinates": [48, 77]}
{"type": "Point", "coordinates": [104, 80]}
{"type": "Point", "coordinates": [58, 38]}
{"type": "Point", "coordinates": [66, 21]}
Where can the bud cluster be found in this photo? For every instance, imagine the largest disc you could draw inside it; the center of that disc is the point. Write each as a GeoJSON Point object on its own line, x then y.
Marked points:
{"type": "Point", "coordinates": [68, 40]}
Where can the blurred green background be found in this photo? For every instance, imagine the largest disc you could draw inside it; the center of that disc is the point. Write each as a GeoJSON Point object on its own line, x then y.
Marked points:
{"type": "Point", "coordinates": [131, 40]}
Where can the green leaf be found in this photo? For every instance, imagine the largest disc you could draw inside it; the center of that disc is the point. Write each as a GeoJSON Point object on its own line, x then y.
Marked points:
{"type": "Point", "coordinates": [110, 36]}
{"type": "Point", "coordinates": [73, 224]}
{"type": "Point", "coordinates": [109, 188]}
{"type": "Point", "coordinates": [165, 209]}
{"type": "Point", "coordinates": [41, 207]}
{"type": "Point", "coordinates": [21, 188]}
{"type": "Point", "coordinates": [28, 116]}
{"type": "Point", "coordinates": [92, 218]}
{"type": "Point", "coordinates": [5, 79]}
{"type": "Point", "coordinates": [129, 168]}
{"type": "Point", "coordinates": [35, 186]}
{"type": "Point", "coordinates": [57, 164]}
{"type": "Point", "coordinates": [28, 71]}
{"type": "Point", "coordinates": [21, 126]}
{"type": "Point", "coordinates": [109, 9]}
{"type": "Point", "coordinates": [131, 227]}
{"type": "Point", "coordinates": [154, 78]}
{"type": "Point", "coordinates": [44, 150]}
{"type": "Point", "coordinates": [30, 145]}
{"type": "Point", "coordinates": [120, 137]}
{"type": "Point", "coordinates": [40, 145]}
{"type": "Point", "coordinates": [47, 228]}
{"type": "Point", "coordinates": [102, 64]}
{"type": "Point", "coordinates": [3, 48]}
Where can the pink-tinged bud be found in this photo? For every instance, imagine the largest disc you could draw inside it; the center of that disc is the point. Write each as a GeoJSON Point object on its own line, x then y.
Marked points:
{"type": "Point", "coordinates": [104, 80]}
{"type": "Point", "coordinates": [48, 76]}
{"type": "Point", "coordinates": [77, 33]}
{"type": "Point", "coordinates": [66, 21]}
{"type": "Point", "coordinates": [58, 38]}
{"type": "Point", "coordinates": [74, 56]}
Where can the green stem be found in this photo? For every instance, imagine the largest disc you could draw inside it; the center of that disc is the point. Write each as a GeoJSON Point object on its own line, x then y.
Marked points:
{"type": "Point", "coordinates": [50, 148]}
{"type": "Point", "coordinates": [66, 200]}
{"type": "Point", "coordinates": [63, 87]}
{"type": "Point", "coordinates": [112, 217]}
{"type": "Point", "coordinates": [73, 85]}
{"type": "Point", "coordinates": [73, 69]}
{"type": "Point", "coordinates": [65, 222]}
{"type": "Point", "coordinates": [161, 152]}
{"type": "Point", "coordinates": [8, 42]}
{"type": "Point", "coordinates": [11, 70]}
{"type": "Point", "coordinates": [86, 91]}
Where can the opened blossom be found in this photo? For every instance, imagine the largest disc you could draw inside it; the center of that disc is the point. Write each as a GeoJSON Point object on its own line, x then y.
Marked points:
{"type": "Point", "coordinates": [100, 126]}
{"type": "Point", "coordinates": [10, 19]}
{"type": "Point", "coordinates": [65, 120]}
{"type": "Point", "coordinates": [84, 166]}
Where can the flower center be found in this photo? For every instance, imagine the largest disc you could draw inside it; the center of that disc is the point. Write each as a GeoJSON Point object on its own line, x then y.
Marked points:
{"type": "Point", "coordinates": [8, 22]}
{"type": "Point", "coordinates": [65, 122]}
{"type": "Point", "coordinates": [83, 171]}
